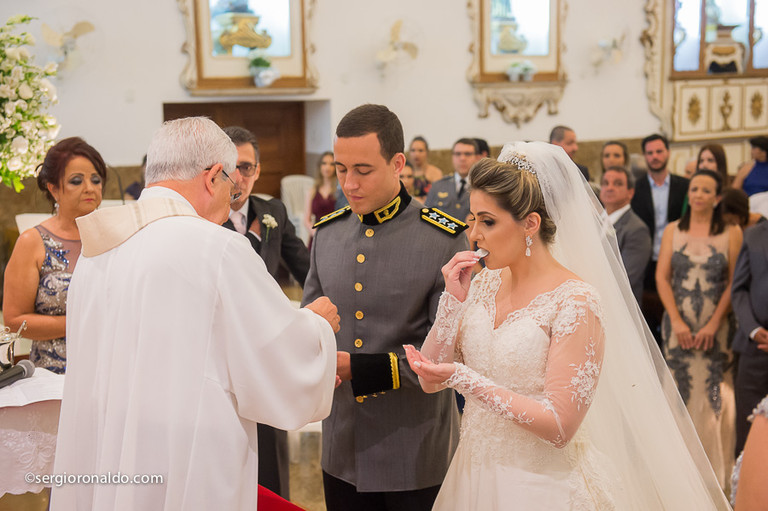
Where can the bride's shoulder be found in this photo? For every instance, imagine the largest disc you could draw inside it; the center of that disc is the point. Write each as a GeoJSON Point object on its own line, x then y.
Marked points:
{"type": "Point", "coordinates": [575, 296]}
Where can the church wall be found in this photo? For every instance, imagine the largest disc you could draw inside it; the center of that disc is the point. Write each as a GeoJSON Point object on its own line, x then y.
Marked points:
{"type": "Point", "coordinates": [131, 64]}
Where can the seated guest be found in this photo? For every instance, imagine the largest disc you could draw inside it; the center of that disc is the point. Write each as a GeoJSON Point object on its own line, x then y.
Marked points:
{"type": "Point", "coordinates": [690, 168]}
{"type": "Point", "coordinates": [418, 155]}
{"type": "Point", "coordinates": [133, 190]}
{"type": "Point", "coordinates": [749, 296]}
{"type": "Point", "coordinates": [614, 154]}
{"type": "Point", "coordinates": [321, 199]}
{"type": "Point", "coordinates": [736, 209]}
{"type": "Point", "coordinates": [712, 157]}
{"type": "Point", "coordinates": [565, 137]}
{"type": "Point", "coordinates": [406, 177]}
{"type": "Point", "coordinates": [37, 277]}
{"type": "Point", "coordinates": [483, 149]}
{"type": "Point", "coordinates": [274, 239]}
{"type": "Point", "coordinates": [451, 194]}
{"type": "Point", "coordinates": [752, 177]}
{"type": "Point", "coordinates": [632, 235]}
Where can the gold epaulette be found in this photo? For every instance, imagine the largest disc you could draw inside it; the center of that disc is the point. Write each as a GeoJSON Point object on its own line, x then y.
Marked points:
{"type": "Point", "coordinates": [443, 221]}
{"type": "Point", "coordinates": [333, 216]}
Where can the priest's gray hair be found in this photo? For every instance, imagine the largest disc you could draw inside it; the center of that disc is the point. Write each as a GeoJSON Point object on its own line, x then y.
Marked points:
{"type": "Point", "coordinates": [181, 149]}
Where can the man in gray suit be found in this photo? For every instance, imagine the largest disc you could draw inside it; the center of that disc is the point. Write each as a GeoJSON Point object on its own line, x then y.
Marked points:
{"type": "Point", "coordinates": [749, 296]}
{"type": "Point", "coordinates": [275, 240]}
{"type": "Point", "coordinates": [386, 445]}
{"type": "Point", "coordinates": [632, 235]}
{"type": "Point", "coordinates": [451, 194]}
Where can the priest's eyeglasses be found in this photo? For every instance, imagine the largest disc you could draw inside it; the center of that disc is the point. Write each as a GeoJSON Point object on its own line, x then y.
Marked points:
{"type": "Point", "coordinates": [247, 169]}
{"type": "Point", "coordinates": [235, 192]}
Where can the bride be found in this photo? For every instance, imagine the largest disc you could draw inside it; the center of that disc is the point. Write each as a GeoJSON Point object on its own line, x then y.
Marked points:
{"type": "Point", "coordinates": [569, 403]}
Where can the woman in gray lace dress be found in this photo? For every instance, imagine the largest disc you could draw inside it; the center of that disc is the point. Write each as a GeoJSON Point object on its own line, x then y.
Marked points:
{"type": "Point", "coordinates": [43, 259]}
{"type": "Point", "coordinates": [694, 274]}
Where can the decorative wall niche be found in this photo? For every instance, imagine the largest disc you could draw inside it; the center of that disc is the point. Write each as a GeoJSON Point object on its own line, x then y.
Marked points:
{"type": "Point", "coordinates": [697, 93]}
{"type": "Point", "coordinates": [221, 34]}
{"type": "Point", "coordinates": [510, 39]}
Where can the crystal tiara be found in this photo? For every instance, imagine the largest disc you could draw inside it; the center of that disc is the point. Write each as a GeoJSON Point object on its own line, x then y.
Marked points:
{"type": "Point", "coordinates": [520, 160]}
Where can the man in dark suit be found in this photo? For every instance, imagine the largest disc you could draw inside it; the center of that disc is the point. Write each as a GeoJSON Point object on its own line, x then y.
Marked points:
{"type": "Point", "coordinates": [565, 137]}
{"type": "Point", "coordinates": [451, 193]}
{"type": "Point", "coordinates": [264, 222]}
{"type": "Point", "coordinates": [749, 296]}
{"type": "Point", "coordinates": [658, 200]}
{"type": "Point", "coordinates": [272, 235]}
{"type": "Point", "coordinates": [632, 235]}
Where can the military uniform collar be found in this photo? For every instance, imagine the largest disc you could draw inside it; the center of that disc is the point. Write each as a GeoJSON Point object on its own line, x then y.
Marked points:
{"type": "Point", "coordinates": [388, 212]}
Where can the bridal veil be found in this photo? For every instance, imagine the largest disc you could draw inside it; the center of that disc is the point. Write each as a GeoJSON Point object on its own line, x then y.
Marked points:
{"type": "Point", "coordinates": [637, 419]}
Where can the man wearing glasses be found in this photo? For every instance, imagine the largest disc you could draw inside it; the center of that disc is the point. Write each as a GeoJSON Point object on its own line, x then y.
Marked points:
{"type": "Point", "coordinates": [250, 215]}
{"type": "Point", "coordinates": [451, 194]}
{"type": "Point", "coordinates": [184, 343]}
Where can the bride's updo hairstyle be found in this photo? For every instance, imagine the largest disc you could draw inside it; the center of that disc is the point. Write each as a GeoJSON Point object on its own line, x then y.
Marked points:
{"type": "Point", "coordinates": [515, 189]}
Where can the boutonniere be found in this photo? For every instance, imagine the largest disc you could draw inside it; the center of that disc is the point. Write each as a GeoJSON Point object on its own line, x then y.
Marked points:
{"type": "Point", "coordinates": [270, 223]}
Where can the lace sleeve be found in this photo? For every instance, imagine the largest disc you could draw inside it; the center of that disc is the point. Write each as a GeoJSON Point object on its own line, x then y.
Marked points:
{"type": "Point", "coordinates": [573, 367]}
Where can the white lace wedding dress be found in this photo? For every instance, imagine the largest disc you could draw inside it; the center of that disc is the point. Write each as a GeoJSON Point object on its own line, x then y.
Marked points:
{"type": "Point", "coordinates": [529, 381]}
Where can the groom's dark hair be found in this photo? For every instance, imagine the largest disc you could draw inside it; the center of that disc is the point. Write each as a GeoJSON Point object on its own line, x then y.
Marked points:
{"type": "Point", "coordinates": [376, 119]}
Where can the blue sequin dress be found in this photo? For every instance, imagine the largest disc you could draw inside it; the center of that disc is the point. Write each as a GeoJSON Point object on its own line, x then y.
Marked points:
{"type": "Point", "coordinates": [60, 258]}
{"type": "Point", "coordinates": [704, 378]}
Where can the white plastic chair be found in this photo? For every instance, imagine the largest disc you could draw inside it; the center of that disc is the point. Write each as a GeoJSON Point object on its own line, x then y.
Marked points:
{"type": "Point", "coordinates": [293, 192]}
{"type": "Point", "coordinates": [26, 221]}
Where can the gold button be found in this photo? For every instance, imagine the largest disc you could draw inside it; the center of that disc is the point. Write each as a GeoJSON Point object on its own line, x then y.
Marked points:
{"type": "Point", "coordinates": [358, 343]}
{"type": "Point", "coordinates": [359, 399]}
{"type": "Point", "coordinates": [458, 206]}
{"type": "Point", "coordinates": [360, 258]}
{"type": "Point", "coordinates": [359, 314]}
{"type": "Point", "coordinates": [369, 233]}
{"type": "Point", "coordinates": [358, 286]}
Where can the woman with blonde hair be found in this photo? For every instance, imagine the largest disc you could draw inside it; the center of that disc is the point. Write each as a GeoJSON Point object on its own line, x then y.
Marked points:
{"type": "Point", "coordinates": [569, 404]}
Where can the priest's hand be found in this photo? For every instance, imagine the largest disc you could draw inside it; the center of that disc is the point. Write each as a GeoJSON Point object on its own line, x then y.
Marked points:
{"type": "Point", "coordinates": [324, 308]}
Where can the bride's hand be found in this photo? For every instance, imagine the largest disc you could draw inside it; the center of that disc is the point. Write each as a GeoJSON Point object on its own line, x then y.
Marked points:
{"type": "Point", "coordinates": [458, 273]}
{"type": "Point", "coordinates": [425, 369]}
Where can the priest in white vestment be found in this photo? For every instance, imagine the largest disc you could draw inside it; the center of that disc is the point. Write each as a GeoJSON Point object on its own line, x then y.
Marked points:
{"type": "Point", "coordinates": [179, 342]}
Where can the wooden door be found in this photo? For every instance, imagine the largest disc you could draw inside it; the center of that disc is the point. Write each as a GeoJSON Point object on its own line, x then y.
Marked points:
{"type": "Point", "coordinates": [278, 126]}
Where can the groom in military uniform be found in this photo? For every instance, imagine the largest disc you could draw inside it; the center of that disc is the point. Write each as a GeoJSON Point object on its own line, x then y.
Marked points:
{"type": "Point", "coordinates": [386, 444]}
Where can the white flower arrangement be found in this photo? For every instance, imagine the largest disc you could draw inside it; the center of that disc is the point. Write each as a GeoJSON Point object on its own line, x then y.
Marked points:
{"type": "Point", "coordinates": [270, 223]}
{"type": "Point", "coordinates": [26, 130]}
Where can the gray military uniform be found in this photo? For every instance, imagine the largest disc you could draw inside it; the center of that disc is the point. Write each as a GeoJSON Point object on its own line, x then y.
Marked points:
{"type": "Point", "coordinates": [386, 281]}
{"type": "Point", "coordinates": [444, 195]}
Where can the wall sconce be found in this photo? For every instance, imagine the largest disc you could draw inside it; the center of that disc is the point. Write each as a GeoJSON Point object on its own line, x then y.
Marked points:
{"type": "Point", "coordinates": [608, 50]}
{"type": "Point", "coordinates": [390, 52]}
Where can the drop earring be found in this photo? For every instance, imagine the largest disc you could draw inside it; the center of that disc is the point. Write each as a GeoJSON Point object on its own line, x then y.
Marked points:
{"type": "Point", "coordinates": [528, 243]}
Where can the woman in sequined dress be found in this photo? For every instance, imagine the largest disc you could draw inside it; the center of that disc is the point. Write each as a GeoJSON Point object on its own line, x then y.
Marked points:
{"type": "Point", "coordinates": [694, 273]}
{"type": "Point", "coordinates": [38, 273]}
